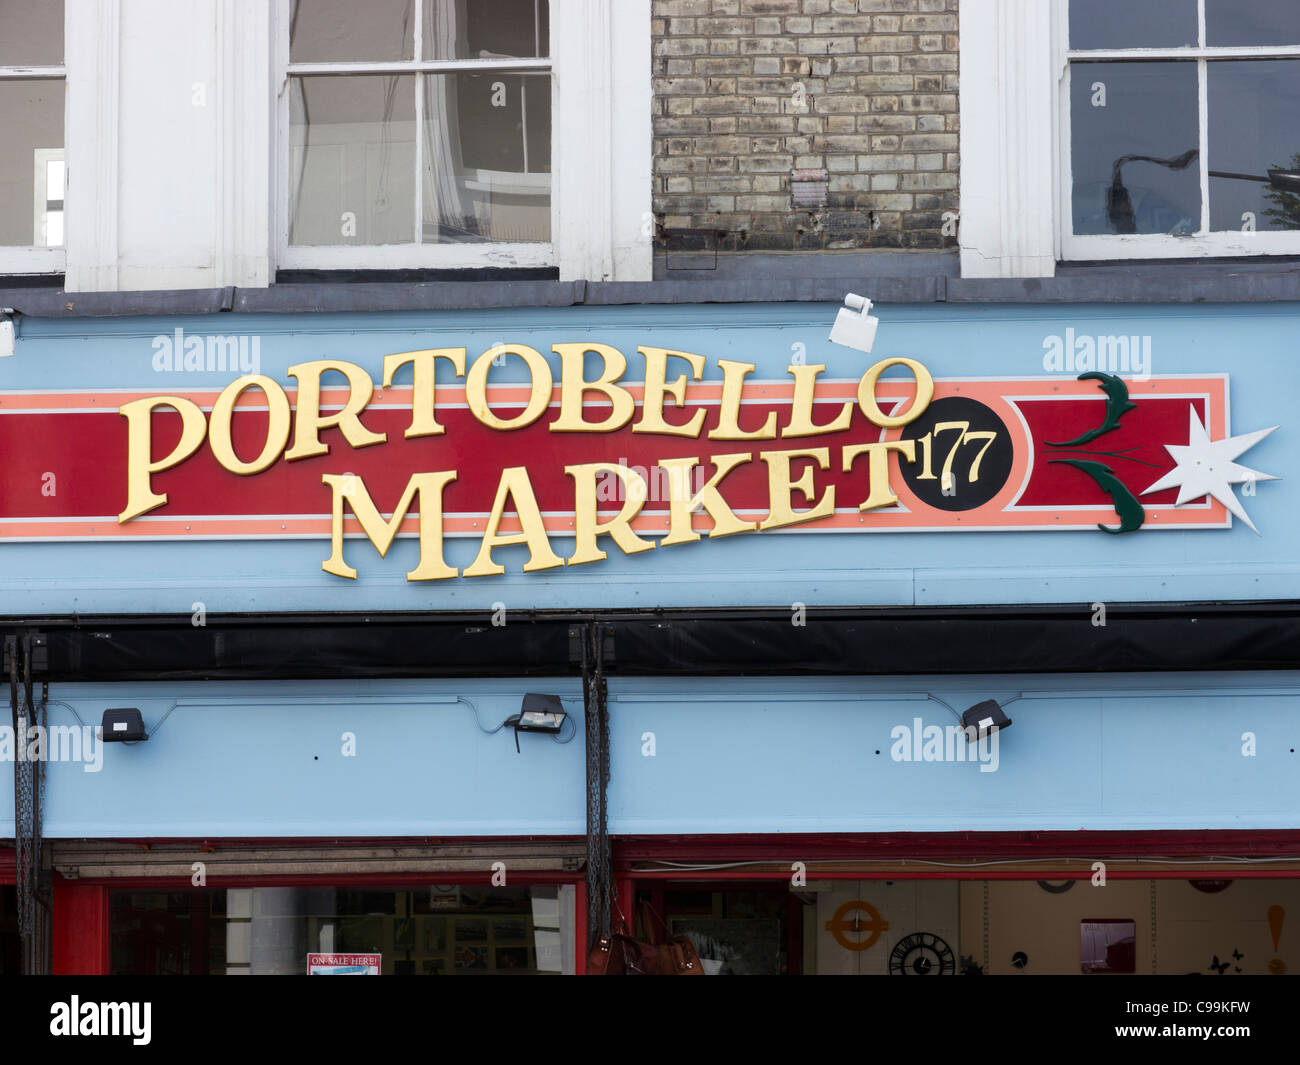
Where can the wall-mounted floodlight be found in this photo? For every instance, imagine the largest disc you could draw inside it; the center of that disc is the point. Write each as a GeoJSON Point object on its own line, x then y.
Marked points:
{"type": "Point", "coordinates": [854, 326]}
{"type": "Point", "coordinates": [7, 331]}
{"type": "Point", "coordinates": [984, 718]}
{"type": "Point", "coordinates": [123, 725]}
{"type": "Point", "coordinates": [540, 713]}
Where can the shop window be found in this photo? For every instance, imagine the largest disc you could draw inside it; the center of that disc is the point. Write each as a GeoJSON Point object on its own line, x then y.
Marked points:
{"type": "Point", "coordinates": [10, 943]}
{"type": "Point", "coordinates": [32, 91]}
{"type": "Point", "coordinates": [438, 930]}
{"type": "Point", "coordinates": [1183, 128]}
{"type": "Point", "coordinates": [736, 932]}
{"type": "Point", "coordinates": [418, 132]}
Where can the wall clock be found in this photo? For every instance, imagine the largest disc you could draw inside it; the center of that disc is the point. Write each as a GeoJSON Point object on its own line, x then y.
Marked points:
{"type": "Point", "coordinates": [922, 954]}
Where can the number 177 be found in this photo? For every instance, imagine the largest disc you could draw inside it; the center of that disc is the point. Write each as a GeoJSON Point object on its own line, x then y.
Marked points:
{"type": "Point", "coordinates": [963, 434]}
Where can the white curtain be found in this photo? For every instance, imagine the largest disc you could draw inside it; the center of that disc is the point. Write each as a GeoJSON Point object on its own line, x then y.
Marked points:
{"type": "Point", "coordinates": [444, 200]}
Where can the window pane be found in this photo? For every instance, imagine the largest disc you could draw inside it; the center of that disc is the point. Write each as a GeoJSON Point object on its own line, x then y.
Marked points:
{"type": "Point", "coordinates": [1134, 135]}
{"type": "Point", "coordinates": [1254, 127]}
{"type": "Point", "coordinates": [445, 930]}
{"type": "Point", "coordinates": [1132, 23]}
{"type": "Point", "coordinates": [322, 31]}
{"type": "Point", "coordinates": [352, 160]}
{"type": "Point", "coordinates": [1266, 22]}
{"type": "Point", "coordinates": [486, 29]}
{"type": "Point", "coordinates": [31, 130]}
{"type": "Point", "coordinates": [487, 164]}
{"type": "Point", "coordinates": [31, 34]}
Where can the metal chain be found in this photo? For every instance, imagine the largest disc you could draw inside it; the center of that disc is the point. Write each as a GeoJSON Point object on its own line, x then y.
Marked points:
{"type": "Point", "coordinates": [29, 806]}
{"type": "Point", "coordinates": [599, 865]}
{"type": "Point", "coordinates": [606, 863]}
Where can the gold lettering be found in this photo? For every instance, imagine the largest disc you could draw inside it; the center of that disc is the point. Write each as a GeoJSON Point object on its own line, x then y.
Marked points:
{"type": "Point", "coordinates": [539, 397]}
{"type": "Point", "coordinates": [348, 488]}
{"type": "Point", "coordinates": [424, 421]}
{"type": "Point", "coordinates": [514, 484]}
{"type": "Point", "coordinates": [867, 393]}
{"type": "Point", "coordinates": [277, 424]}
{"type": "Point", "coordinates": [879, 493]}
{"type": "Point", "coordinates": [733, 383]}
{"type": "Point", "coordinates": [573, 389]}
{"type": "Point", "coordinates": [780, 487]}
{"type": "Point", "coordinates": [657, 387]}
{"type": "Point", "coordinates": [309, 421]}
{"type": "Point", "coordinates": [587, 527]}
{"type": "Point", "coordinates": [801, 405]}
{"type": "Point", "coordinates": [140, 496]}
{"type": "Point", "coordinates": [725, 521]}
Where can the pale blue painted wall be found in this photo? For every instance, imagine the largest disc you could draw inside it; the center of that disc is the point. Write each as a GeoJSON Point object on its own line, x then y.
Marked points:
{"type": "Point", "coordinates": [1257, 344]}
{"type": "Point", "coordinates": [1119, 752]}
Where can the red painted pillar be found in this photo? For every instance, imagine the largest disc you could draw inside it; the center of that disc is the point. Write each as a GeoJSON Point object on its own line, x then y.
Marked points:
{"type": "Point", "coordinates": [624, 905]}
{"type": "Point", "coordinates": [580, 929]}
{"type": "Point", "coordinates": [81, 932]}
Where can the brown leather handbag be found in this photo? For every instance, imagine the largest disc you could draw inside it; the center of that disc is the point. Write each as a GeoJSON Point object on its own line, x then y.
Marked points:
{"type": "Point", "coordinates": [620, 954]}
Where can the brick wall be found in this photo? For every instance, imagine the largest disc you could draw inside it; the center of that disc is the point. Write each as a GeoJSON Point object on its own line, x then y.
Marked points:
{"type": "Point", "coordinates": [747, 91]}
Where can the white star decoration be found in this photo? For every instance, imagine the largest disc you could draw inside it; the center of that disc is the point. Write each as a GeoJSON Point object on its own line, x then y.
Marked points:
{"type": "Point", "coordinates": [1205, 467]}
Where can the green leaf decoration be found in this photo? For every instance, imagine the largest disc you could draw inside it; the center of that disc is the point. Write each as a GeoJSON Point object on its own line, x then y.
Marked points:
{"type": "Point", "coordinates": [1117, 405]}
{"type": "Point", "coordinates": [1130, 511]}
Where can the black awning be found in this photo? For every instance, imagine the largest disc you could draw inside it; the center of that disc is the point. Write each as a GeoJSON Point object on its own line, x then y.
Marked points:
{"type": "Point", "coordinates": [845, 641]}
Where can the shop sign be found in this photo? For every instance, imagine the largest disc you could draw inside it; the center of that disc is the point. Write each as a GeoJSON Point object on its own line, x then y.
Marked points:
{"type": "Point", "coordinates": [344, 964]}
{"type": "Point", "coordinates": [604, 461]}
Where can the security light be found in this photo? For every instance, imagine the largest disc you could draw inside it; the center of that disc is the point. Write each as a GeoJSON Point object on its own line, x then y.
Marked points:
{"type": "Point", "coordinates": [984, 718]}
{"type": "Point", "coordinates": [122, 726]}
{"type": "Point", "coordinates": [6, 332]}
{"type": "Point", "coordinates": [854, 326]}
{"type": "Point", "coordinates": [540, 713]}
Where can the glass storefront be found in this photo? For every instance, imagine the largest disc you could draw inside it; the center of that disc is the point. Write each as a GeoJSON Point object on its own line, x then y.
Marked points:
{"type": "Point", "coordinates": [941, 926]}
{"type": "Point", "coordinates": [905, 927]}
{"type": "Point", "coordinates": [437, 930]}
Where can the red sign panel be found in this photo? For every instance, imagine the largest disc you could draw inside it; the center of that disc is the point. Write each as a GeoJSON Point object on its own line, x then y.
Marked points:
{"type": "Point", "coordinates": [989, 454]}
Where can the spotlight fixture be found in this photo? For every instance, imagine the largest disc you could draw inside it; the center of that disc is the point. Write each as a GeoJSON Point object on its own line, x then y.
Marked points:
{"type": "Point", "coordinates": [854, 326]}
{"type": "Point", "coordinates": [7, 331]}
{"type": "Point", "coordinates": [122, 725]}
{"type": "Point", "coordinates": [539, 713]}
{"type": "Point", "coordinates": [984, 718]}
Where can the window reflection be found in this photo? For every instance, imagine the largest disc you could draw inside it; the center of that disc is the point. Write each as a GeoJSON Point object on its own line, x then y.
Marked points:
{"type": "Point", "coordinates": [31, 130]}
{"type": "Point", "coordinates": [430, 931]}
{"type": "Point", "coordinates": [1254, 129]}
{"type": "Point", "coordinates": [1252, 22]}
{"type": "Point", "coordinates": [322, 31]}
{"type": "Point", "coordinates": [1134, 137]}
{"type": "Point", "coordinates": [352, 159]}
{"type": "Point", "coordinates": [1125, 24]}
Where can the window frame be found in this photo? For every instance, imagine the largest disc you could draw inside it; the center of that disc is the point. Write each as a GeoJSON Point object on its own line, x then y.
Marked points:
{"type": "Point", "coordinates": [35, 258]}
{"type": "Point", "coordinates": [416, 254]}
{"type": "Point", "coordinates": [1205, 242]}
{"type": "Point", "coordinates": [1016, 186]}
